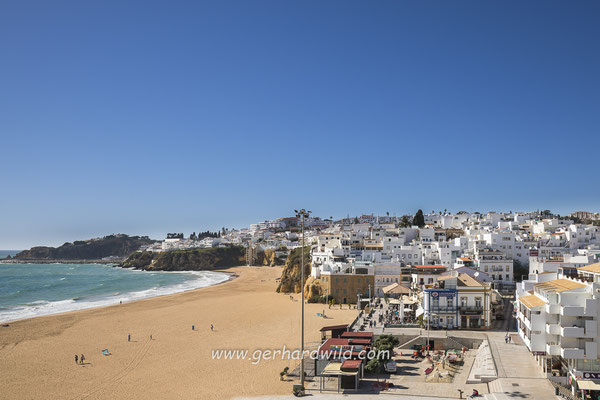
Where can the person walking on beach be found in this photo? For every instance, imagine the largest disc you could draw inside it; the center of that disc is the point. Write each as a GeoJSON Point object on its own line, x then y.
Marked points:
{"type": "Point", "coordinates": [212, 328]}
{"type": "Point", "coordinates": [82, 358]}
{"type": "Point", "coordinates": [76, 358]}
{"type": "Point", "coordinates": [129, 337]}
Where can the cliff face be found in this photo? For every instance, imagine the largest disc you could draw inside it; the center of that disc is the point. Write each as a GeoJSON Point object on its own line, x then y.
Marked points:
{"type": "Point", "coordinates": [187, 260]}
{"type": "Point", "coordinates": [93, 249]}
{"type": "Point", "coordinates": [267, 258]}
{"type": "Point", "coordinates": [291, 274]}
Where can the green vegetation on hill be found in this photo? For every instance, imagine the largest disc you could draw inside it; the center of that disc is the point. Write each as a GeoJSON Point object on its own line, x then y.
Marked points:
{"type": "Point", "coordinates": [187, 260]}
{"type": "Point", "coordinates": [93, 249]}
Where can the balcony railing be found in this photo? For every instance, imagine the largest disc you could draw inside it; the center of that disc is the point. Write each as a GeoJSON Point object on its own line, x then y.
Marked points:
{"type": "Point", "coordinates": [573, 332]}
{"type": "Point", "coordinates": [471, 309]}
{"type": "Point", "coordinates": [442, 309]}
{"type": "Point", "coordinates": [573, 352]}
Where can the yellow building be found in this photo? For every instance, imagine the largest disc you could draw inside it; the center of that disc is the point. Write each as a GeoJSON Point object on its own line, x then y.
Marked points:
{"type": "Point", "coordinates": [344, 288]}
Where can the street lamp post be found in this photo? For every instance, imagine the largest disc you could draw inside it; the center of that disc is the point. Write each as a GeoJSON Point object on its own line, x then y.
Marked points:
{"type": "Point", "coordinates": [302, 214]}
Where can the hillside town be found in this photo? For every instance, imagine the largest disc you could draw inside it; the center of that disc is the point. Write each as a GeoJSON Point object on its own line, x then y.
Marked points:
{"type": "Point", "coordinates": [533, 272]}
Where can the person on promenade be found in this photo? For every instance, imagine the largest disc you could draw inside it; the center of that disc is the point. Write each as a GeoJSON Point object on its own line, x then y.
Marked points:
{"type": "Point", "coordinates": [76, 358]}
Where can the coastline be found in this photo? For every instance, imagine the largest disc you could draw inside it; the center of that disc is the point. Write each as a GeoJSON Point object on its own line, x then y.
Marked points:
{"type": "Point", "coordinates": [112, 261]}
{"type": "Point", "coordinates": [108, 302]}
{"type": "Point", "coordinates": [37, 353]}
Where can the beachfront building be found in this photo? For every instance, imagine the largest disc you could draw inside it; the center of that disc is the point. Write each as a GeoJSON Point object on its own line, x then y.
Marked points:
{"type": "Point", "coordinates": [474, 300]}
{"type": "Point", "coordinates": [343, 359]}
{"type": "Point", "coordinates": [348, 285]}
{"type": "Point", "coordinates": [557, 318]}
{"type": "Point", "coordinates": [440, 307]}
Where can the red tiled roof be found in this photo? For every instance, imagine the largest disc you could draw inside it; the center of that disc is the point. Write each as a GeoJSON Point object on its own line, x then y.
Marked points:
{"type": "Point", "coordinates": [360, 341]}
{"type": "Point", "coordinates": [357, 334]}
{"type": "Point", "coordinates": [333, 328]}
{"type": "Point", "coordinates": [351, 364]}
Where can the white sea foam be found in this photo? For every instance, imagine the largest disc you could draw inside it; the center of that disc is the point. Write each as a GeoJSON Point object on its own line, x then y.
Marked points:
{"type": "Point", "coordinates": [41, 307]}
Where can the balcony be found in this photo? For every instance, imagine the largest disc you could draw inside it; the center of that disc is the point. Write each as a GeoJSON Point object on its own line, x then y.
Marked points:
{"type": "Point", "coordinates": [553, 308]}
{"type": "Point", "coordinates": [572, 311]}
{"type": "Point", "coordinates": [442, 310]}
{"type": "Point", "coordinates": [553, 349]}
{"type": "Point", "coordinates": [471, 310]}
{"type": "Point", "coordinates": [572, 352]}
{"type": "Point", "coordinates": [553, 329]}
{"type": "Point", "coordinates": [572, 332]}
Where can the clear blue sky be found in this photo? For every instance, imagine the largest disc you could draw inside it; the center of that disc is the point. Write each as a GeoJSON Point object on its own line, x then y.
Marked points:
{"type": "Point", "coordinates": [145, 117]}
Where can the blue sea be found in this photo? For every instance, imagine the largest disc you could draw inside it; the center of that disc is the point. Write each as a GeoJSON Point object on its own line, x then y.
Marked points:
{"type": "Point", "coordinates": [6, 253]}
{"type": "Point", "coordinates": [31, 290]}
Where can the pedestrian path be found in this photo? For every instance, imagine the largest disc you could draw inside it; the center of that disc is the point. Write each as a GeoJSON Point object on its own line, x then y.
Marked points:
{"type": "Point", "coordinates": [518, 374]}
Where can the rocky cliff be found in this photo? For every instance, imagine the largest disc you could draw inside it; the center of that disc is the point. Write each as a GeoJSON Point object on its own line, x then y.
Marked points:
{"type": "Point", "coordinates": [187, 260]}
{"type": "Point", "coordinates": [291, 274]}
{"type": "Point", "coordinates": [268, 258]}
{"type": "Point", "coordinates": [94, 249]}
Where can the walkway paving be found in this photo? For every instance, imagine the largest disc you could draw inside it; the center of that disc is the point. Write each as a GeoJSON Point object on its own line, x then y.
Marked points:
{"type": "Point", "coordinates": [518, 374]}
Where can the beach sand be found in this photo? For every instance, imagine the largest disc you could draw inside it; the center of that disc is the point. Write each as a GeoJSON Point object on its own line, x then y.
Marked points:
{"type": "Point", "coordinates": [37, 355]}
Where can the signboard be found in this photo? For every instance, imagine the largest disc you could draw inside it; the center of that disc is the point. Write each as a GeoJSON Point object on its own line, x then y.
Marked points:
{"type": "Point", "coordinates": [591, 375]}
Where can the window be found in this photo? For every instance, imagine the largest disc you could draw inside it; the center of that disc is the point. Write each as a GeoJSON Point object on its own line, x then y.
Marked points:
{"type": "Point", "coordinates": [463, 301]}
{"type": "Point", "coordinates": [477, 301]}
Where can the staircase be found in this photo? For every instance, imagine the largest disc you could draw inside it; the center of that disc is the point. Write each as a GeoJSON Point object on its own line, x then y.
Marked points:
{"type": "Point", "coordinates": [457, 343]}
{"type": "Point", "coordinates": [409, 342]}
{"type": "Point", "coordinates": [564, 392]}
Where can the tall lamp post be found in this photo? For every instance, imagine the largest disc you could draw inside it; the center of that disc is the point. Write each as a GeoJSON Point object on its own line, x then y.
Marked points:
{"type": "Point", "coordinates": [302, 214]}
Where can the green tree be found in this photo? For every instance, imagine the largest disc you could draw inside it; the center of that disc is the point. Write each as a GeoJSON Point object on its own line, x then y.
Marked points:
{"type": "Point", "coordinates": [519, 270]}
{"type": "Point", "coordinates": [419, 219]}
{"type": "Point", "coordinates": [405, 222]}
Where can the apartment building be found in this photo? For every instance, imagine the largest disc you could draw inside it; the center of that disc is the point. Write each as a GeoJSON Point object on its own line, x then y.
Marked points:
{"type": "Point", "coordinates": [348, 287]}
{"type": "Point", "coordinates": [473, 300]}
{"type": "Point", "coordinates": [558, 321]}
{"type": "Point", "coordinates": [496, 264]}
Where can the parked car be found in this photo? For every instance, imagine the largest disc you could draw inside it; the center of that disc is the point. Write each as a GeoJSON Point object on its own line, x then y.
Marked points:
{"type": "Point", "coordinates": [390, 367]}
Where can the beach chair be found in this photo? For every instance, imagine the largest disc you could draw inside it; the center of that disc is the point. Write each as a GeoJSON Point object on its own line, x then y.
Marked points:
{"type": "Point", "coordinates": [105, 352]}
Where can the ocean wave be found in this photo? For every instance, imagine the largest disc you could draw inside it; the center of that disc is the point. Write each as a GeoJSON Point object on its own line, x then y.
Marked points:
{"type": "Point", "coordinates": [44, 307]}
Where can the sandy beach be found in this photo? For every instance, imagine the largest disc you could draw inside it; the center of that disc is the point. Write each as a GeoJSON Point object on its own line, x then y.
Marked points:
{"type": "Point", "coordinates": [37, 355]}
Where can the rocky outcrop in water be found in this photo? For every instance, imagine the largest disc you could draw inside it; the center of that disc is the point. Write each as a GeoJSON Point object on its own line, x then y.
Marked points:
{"type": "Point", "coordinates": [93, 249]}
